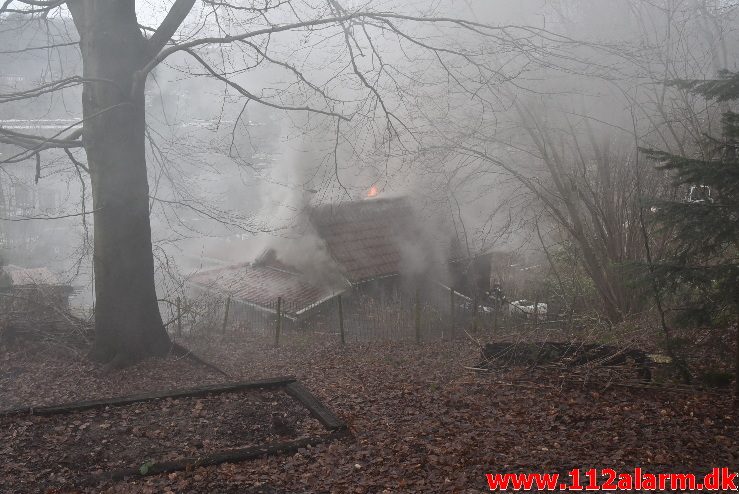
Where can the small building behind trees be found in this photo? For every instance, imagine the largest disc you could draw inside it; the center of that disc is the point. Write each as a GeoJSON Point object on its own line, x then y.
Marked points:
{"type": "Point", "coordinates": [32, 301]}
{"type": "Point", "coordinates": [377, 254]}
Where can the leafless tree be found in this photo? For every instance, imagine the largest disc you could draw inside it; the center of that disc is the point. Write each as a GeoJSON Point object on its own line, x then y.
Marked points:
{"type": "Point", "coordinates": [367, 66]}
{"type": "Point", "coordinates": [572, 146]}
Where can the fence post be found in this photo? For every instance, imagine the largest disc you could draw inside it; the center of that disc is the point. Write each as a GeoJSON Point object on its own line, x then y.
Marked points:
{"type": "Point", "coordinates": [451, 312]}
{"type": "Point", "coordinates": [497, 307]}
{"type": "Point", "coordinates": [179, 317]}
{"type": "Point", "coordinates": [417, 321]}
{"type": "Point", "coordinates": [536, 313]}
{"type": "Point", "coordinates": [225, 314]}
{"type": "Point", "coordinates": [397, 322]}
{"type": "Point", "coordinates": [341, 320]}
{"type": "Point", "coordinates": [474, 312]}
{"type": "Point", "coordinates": [572, 313]}
{"type": "Point", "coordinates": [278, 327]}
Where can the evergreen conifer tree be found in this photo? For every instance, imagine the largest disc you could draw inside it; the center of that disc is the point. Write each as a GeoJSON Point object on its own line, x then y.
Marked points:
{"type": "Point", "coordinates": [702, 266]}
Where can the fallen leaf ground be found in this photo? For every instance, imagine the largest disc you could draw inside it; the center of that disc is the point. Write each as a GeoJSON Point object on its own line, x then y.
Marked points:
{"type": "Point", "coordinates": [421, 421]}
{"type": "Point", "coordinates": [61, 450]}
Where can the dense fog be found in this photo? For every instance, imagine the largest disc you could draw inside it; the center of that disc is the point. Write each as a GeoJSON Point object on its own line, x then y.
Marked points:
{"type": "Point", "coordinates": [478, 127]}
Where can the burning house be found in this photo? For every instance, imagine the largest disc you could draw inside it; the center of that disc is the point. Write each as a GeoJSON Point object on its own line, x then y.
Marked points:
{"type": "Point", "coordinates": [375, 253]}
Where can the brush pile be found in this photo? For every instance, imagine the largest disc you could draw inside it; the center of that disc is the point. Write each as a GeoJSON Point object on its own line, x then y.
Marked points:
{"type": "Point", "coordinates": [570, 354]}
{"type": "Point", "coordinates": [40, 313]}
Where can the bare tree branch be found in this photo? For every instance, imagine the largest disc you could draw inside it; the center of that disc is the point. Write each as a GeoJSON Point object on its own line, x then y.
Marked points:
{"type": "Point", "coordinates": [31, 218]}
{"type": "Point", "coordinates": [45, 140]}
{"type": "Point", "coordinates": [36, 48]}
{"type": "Point", "coordinates": [43, 6]}
{"type": "Point", "coordinates": [244, 92]}
{"type": "Point", "coordinates": [38, 143]}
{"type": "Point", "coordinates": [51, 87]}
{"type": "Point", "coordinates": [169, 26]}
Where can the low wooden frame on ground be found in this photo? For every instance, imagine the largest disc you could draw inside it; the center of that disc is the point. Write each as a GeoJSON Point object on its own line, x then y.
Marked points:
{"type": "Point", "coordinates": [335, 427]}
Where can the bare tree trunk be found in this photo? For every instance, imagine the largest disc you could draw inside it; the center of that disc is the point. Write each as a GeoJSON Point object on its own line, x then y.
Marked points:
{"type": "Point", "coordinates": [128, 325]}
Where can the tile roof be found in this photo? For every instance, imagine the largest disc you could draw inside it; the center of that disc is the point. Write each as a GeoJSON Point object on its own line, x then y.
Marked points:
{"type": "Point", "coordinates": [261, 284]}
{"type": "Point", "coordinates": [364, 237]}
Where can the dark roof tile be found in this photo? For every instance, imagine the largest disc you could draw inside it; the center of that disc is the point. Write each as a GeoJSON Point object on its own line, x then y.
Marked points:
{"type": "Point", "coordinates": [262, 285]}
{"type": "Point", "coordinates": [364, 237]}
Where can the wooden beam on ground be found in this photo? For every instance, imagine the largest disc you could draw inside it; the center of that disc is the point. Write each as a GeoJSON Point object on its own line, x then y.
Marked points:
{"type": "Point", "coordinates": [330, 421]}
{"type": "Point", "coordinates": [315, 407]}
{"type": "Point", "coordinates": [216, 458]}
{"type": "Point", "coordinates": [213, 389]}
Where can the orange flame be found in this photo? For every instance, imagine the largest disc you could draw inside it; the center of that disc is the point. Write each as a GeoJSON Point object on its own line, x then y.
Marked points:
{"type": "Point", "coordinates": [373, 191]}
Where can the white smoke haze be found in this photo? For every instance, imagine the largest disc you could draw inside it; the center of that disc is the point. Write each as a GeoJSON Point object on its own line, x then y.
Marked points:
{"type": "Point", "coordinates": [229, 181]}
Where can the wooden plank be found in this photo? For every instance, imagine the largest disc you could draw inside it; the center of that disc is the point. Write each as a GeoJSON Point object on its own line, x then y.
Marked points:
{"type": "Point", "coordinates": [276, 382]}
{"type": "Point", "coordinates": [229, 456]}
{"type": "Point", "coordinates": [315, 407]}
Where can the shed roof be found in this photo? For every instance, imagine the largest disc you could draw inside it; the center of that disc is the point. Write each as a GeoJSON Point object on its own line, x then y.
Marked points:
{"type": "Point", "coordinates": [261, 284]}
{"type": "Point", "coordinates": [364, 237]}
